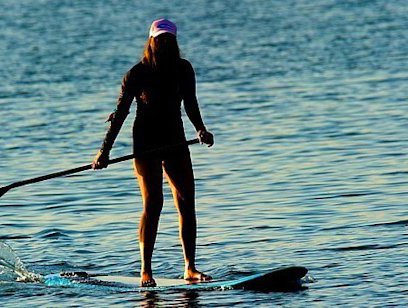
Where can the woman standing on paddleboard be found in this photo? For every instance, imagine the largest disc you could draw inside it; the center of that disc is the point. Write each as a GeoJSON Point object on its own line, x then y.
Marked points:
{"type": "Point", "coordinates": [159, 82]}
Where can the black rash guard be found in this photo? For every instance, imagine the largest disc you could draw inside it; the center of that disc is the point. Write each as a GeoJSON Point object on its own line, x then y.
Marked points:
{"type": "Point", "coordinates": [158, 120]}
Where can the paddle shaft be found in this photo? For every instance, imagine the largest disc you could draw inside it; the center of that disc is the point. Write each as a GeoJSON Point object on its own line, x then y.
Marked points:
{"type": "Point", "coordinates": [5, 189]}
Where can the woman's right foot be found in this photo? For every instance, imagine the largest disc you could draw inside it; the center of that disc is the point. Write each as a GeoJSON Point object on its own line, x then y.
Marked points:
{"type": "Point", "coordinates": [147, 280]}
{"type": "Point", "coordinates": [194, 275]}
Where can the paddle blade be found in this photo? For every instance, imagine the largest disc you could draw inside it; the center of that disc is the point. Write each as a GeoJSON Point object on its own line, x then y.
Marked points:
{"type": "Point", "coordinates": [3, 190]}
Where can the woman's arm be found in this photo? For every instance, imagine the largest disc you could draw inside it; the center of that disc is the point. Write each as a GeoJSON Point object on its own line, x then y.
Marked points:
{"type": "Point", "coordinates": [116, 120]}
{"type": "Point", "coordinates": [191, 106]}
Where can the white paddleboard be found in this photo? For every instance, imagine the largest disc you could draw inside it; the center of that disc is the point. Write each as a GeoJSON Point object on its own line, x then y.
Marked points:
{"type": "Point", "coordinates": [283, 279]}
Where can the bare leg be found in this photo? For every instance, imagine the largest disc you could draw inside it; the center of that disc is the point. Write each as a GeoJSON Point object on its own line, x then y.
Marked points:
{"type": "Point", "coordinates": [150, 177]}
{"type": "Point", "coordinates": [179, 174]}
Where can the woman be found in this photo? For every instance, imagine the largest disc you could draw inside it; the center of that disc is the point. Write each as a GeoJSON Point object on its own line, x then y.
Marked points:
{"type": "Point", "coordinates": [159, 83]}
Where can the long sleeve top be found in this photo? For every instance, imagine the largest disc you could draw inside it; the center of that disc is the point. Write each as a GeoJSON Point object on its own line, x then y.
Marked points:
{"type": "Point", "coordinates": [158, 119]}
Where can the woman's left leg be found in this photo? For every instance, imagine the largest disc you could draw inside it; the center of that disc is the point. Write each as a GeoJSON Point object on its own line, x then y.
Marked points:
{"type": "Point", "coordinates": [150, 177]}
{"type": "Point", "coordinates": [179, 173]}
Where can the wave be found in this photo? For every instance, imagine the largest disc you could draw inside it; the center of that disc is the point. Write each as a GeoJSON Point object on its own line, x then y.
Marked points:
{"type": "Point", "coordinates": [11, 265]}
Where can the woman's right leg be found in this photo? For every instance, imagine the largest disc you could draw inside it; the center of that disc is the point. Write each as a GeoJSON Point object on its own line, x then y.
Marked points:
{"type": "Point", "coordinates": [150, 177]}
{"type": "Point", "coordinates": [179, 173]}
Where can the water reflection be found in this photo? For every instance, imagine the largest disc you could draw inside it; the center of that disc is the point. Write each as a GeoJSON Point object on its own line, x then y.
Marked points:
{"type": "Point", "coordinates": [182, 299]}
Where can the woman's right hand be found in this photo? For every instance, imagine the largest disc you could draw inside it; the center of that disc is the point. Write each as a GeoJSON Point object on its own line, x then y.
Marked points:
{"type": "Point", "coordinates": [205, 137]}
{"type": "Point", "coordinates": [101, 160]}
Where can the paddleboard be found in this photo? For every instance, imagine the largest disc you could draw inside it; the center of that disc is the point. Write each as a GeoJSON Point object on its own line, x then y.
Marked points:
{"type": "Point", "coordinates": [282, 279]}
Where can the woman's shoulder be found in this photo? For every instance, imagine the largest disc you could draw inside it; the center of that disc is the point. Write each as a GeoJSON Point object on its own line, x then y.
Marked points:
{"type": "Point", "coordinates": [185, 62]}
{"type": "Point", "coordinates": [136, 71]}
{"type": "Point", "coordinates": [186, 65]}
{"type": "Point", "coordinates": [137, 68]}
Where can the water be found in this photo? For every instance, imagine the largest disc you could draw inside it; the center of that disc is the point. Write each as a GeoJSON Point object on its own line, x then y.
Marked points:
{"type": "Point", "coordinates": [11, 266]}
{"type": "Point", "coordinates": [308, 103]}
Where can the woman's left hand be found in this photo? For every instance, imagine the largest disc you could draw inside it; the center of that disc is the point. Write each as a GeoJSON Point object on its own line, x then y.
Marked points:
{"type": "Point", "coordinates": [205, 137]}
{"type": "Point", "coordinates": [101, 160]}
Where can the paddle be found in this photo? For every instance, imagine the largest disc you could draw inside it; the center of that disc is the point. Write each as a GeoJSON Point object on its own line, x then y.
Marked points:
{"type": "Point", "coordinates": [5, 189]}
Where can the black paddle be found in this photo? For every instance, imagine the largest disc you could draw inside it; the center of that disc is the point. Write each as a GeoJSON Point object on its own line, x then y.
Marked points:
{"type": "Point", "coordinates": [5, 189]}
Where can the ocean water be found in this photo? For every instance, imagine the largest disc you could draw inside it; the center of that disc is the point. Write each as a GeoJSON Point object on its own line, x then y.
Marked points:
{"type": "Point", "coordinates": [308, 101]}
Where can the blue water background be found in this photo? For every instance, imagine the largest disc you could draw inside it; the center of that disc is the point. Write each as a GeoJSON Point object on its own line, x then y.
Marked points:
{"type": "Point", "coordinates": [308, 101]}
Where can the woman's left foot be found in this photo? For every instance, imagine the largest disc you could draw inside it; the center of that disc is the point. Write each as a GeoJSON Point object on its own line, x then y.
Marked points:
{"type": "Point", "coordinates": [194, 275]}
{"type": "Point", "coordinates": [147, 280]}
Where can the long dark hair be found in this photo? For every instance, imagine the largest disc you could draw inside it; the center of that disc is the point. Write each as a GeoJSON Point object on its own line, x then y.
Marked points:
{"type": "Point", "coordinates": [162, 53]}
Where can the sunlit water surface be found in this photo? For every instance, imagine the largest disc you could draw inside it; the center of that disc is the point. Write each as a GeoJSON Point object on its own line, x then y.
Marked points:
{"type": "Point", "coordinates": [308, 103]}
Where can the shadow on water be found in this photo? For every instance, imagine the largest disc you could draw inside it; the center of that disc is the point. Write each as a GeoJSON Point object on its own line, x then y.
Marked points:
{"type": "Point", "coordinates": [14, 237]}
{"type": "Point", "coordinates": [403, 222]}
{"type": "Point", "coordinates": [367, 247]}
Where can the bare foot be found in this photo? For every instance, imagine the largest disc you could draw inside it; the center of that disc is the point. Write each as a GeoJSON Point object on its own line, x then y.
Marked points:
{"type": "Point", "coordinates": [147, 280]}
{"type": "Point", "coordinates": [194, 275]}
